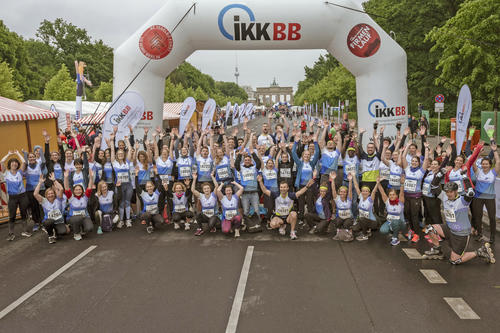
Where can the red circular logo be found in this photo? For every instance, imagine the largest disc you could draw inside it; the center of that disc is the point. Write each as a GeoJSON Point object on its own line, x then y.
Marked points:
{"type": "Point", "coordinates": [156, 42]}
{"type": "Point", "coordinates": [363, 40]}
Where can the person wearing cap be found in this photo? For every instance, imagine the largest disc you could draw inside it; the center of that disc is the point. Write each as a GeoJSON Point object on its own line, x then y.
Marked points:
{"type": "Point", "coordinates": [350, 162]}
{"type": "Point", "coordinates": [320, 219]}
{"type": "Point", "coordinates": [457, 228]}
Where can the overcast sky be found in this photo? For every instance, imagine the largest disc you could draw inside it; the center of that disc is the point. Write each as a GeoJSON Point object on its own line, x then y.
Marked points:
{"type": "Point", "coordinates": [114, 20]}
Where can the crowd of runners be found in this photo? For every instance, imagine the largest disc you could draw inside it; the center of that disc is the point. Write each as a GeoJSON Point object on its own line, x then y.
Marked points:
{"type": "Point", "coordinates": [313, 177]}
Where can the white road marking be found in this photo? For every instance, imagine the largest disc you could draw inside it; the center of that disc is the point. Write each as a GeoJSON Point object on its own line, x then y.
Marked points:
{"type": "Point", "coordinates": [462, 309]}
{"type": "Point", "coordinates": [45, 282]}
{"type": "Point", "coordinates": [232, 323]}
{"type": "Point", "coordinates": [433, 276]}
{"type": "Point", "coordinates": [412, 253]}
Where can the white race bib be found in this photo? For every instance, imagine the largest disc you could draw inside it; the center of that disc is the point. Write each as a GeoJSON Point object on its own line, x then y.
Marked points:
{"type": "Point", "coordinates": [54, 215]}
{"type": "Point", "coordinates": [395, 180]}
{"type": "Point", "coordinates": [282, 211]}
{"type": "Point", "coordinates": [204, 166]}
{"type": "Point", "coordinates": [426, 188]}
{"type": "Point", "coordinates": [153, 209]}
{"type": "Point", "coordinates": [364, 213]}
{"type": "Point", "coordinates": [79, 213]}
{"type": "Point", "coordinates": [385, 174]}
{"type": "Point", "coordinates": [410, 185]}
{"type": "Point", "coordinates": [179, 209]}
{"type": "Point", "coordinates": [459, 184]}
{"type": "Point", "coordinates": [222, 173]}
{"type": "Point", "coordinates": [185, 171]}
{"type": "Point", "coordinates": [209, 212]}
{"type": "Point", "coordinates": [123, 177]}
{"type": "Point", "coordinates": [391, 217]}
{"type": "Point", "coordinates": [344, 213]}
{"type": "Point", "coordinates": [286, 173]}
{"type": "Point", "coordinates": [270, 174]}
{"type": "Point", "coordinates": [230, 213]}
{"type": "Point", "coordinates": [248, 175]}
{"type": "Point", "coordinates": [449, 216]}
{"type": "Point", "coordinates": [350, 168]}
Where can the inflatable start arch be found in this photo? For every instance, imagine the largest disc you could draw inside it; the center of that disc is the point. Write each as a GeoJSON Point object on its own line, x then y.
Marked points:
{"type": "Point", "coordinates": [181, 27]}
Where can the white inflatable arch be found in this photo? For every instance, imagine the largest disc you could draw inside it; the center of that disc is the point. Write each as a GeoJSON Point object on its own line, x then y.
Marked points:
{"type": "Point", "coordinates": [183, 26]}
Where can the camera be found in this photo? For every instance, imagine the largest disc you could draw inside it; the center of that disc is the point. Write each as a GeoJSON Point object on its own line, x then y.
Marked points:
{"type": "Point", "coordinates": [375, 126]}
{"type": "Point", "coordinates": [398, 126]}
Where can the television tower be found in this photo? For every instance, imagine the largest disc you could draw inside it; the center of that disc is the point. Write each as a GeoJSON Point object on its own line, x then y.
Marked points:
{"type": "Point", "coordinates": [237, 73]}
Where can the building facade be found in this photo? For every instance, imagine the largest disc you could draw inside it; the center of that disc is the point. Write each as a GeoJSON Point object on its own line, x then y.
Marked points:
{"type": "Point", "coordinates": [268, 96]}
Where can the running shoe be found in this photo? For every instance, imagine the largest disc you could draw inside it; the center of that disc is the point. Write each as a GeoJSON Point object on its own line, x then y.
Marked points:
{"type": "Point", "coordinates": [11, 237]}
{"type": "Point", "coordinates": [25, 234]}
{"type": "Point", "coordinates": [481, 238]}
{"type": "Point", "coordinates": [52, 239]}
{"type": "Point", "coordinates": [199, 232]}
{"type": "Point", "coordinates": [99, 230]}
{"type": "Point", "coordinates": [362, 237]}
{"type": "Point", "coordinates": [293, 235]}
{"type": "Point", "coordinates": [128, 223]}
{"type": "Point", "coordinates": [268, 226]}
{"type": "Point", "coordinates": [77, 237]}
{"type": "Point", "coordinates": [337, 235]}
{"type": "Point", "coordinates": [213, 230]}
{"type": "Point", "coordinates": [312, 230]}
{"type": "Point", "coordinates": [143, 222]}
{"type": "Point", "coordinates": [120, 224]}
{"type": "Point", "coordinates": [434, 253]}
{"type": "Point", "coordinates": [149, 229]}
{"type": "Point", "coordinates": [348, 236]}
{"type": "Point", "coordinates": [486, 253]}
{"type": "Point", "coordinates": [415, 238]}
{"type": "Point", "coordinates": [282, 230]}
{"type": "Point", "coordinates": [369, 233]}
{"type": "Point", "coordinates": [176, 226]}
{"type": "Point", "coordinates": [394, 241]}
{"type": "Point", "coordinates": [410, 234]}
{"type": "Point", "coordinates": [36, 226]}
{"type": "Point", "coordinates": [236, 233]}
{"type": "Point", "coordinates": [187, 226]}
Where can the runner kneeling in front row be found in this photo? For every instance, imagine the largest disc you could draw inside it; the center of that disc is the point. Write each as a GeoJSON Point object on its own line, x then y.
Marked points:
{"type": "Point", "coordinates": [366, 218]}
{"type": "Point", "coordinates": [150, 200]}
{"type": "Point", "coordinates": [229, 202]}
{"type": "Point", "coordinates": [343, 204]}
{"type": "Point", "coordinates": [457, 229]}
{"type": "Point", "coordinates": [180, 199]}
{"type": "Point", "coordinates": [395, 211]}
{"type": "Point", "coordinates": [283, 204]}
{"type": "Point", "coordinates": [209, 207]}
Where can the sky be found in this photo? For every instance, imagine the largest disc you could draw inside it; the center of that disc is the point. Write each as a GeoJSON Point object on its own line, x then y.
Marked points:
{"type": "Point", "coordinates": [102, 21]}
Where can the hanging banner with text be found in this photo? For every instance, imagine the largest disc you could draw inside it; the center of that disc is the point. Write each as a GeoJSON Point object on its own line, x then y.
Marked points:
{"type": "Point", "coordinates": [235, 114]}
{"type": "Point", "coordinates": [208, 113]}
{"type": "Point", "coordinates": [187, 110]}
{"type": "Point", "coordinates": [464, 110]}
{"type": "Point", "coordinates": [228, 110]}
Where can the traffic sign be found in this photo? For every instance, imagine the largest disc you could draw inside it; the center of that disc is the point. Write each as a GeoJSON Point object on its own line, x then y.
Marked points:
{"type": "Point", "coordinates": [439, 107]}
{"type": "Point", "coordinates": [439, 98]}
{"type": "Point", "coordinates": [488, 126]}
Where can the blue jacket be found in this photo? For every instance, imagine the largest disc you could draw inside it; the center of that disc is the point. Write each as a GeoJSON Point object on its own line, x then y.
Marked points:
{"type": "Point", "coordinates": [300, 163]}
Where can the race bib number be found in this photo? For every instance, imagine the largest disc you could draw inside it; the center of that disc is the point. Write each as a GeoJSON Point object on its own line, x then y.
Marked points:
{"type": "Point", "coordinates": [165, 179]}
{"type": "Point", "coordinates": [286, 173]}
{"type": "Point", "coordinates": [230, 214]}
{"type": "Point", "coordinates": [205, 166]}
{"type": "Point", "coordinates": [364, 213]}
{"type": "Point", "coordinates": [395, 180]}
{"type": "Point", "coordinates": [410, 185]}
{"type": "Point", "coordinates": [391, 217]}
{"type": "Point", "coordinates": [209, 212]}
{"type": "Point", "coordinates": [282, 211]}
{"type": "Point", "coordinates": [123, 177]}
{"type": "Point", "coordinates": [426, 189]}
{"type": "Point", "coordinates": [54, 215]}
{"type": "Point", "coordinates": [385, 174]}
{"type": "Point", "coordinates": [344, 213]}
{"type": "Point", "coordinates": [185, 171]}
{"type": "Point", "coordinates": [460, 186]}
{"type": "Point", "coordinates": [449, 216]}
{"type": "Point", "coordinates": [179, 209]}
{"type": "Point", "coordinates": [79, 213]}
{"type": "Point", "coordinates": [270, 174]}
{"type": "Point", "coordinates": [248, 175]}
{"type": "Point", "coordinates": [153, 209]}
{"type": "Point", "coordinates": [222, 173]}
{"type": "Point", "coordinates": [350, 168]}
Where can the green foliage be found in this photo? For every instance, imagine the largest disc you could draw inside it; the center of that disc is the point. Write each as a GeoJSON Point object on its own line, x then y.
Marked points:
{"type": "Point", "coordinates": [105, 92]}
{"type": "Point", "coordinates": [321, 68]}
{"type": "Point", "coordinates": [61, 87]}
{"type": "Point", "coordinates": [7, 86]}
{"type": "Point", "coordinates": [469, 52]}
{"type": "Point", "coordinates": [231, 89]}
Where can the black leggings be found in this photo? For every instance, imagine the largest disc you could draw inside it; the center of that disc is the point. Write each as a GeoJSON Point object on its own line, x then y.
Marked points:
{"type": "Point", "coordinates": [477, 211]}
{"type": "Point", "coordinates": [413, 207]}
{"type": "Point", "coordinates": [307, 199]}
{"type": "Point", "coordinates": [34, 207]}
{"type": "Point", "coordinates": [55, 229]}
{"type": "Point", "coordinates": [15, 201]}
{"type": "Point", "coordinates": [365, 224]}
{"type": "Point", "coordinates": [343, 223]}
{"type": "Point", "coordinates": [79, 223]}
{"type": "Point", "coordinates": [177, 217]}
{"type": "Point", "coordinates": [432, 210]}
{"type": "Point", "coordinates": [211, 221]}
{"type": "Point", "coordinates": [313, 220]}
{"type": "Point", "coordinates": [152, 219]}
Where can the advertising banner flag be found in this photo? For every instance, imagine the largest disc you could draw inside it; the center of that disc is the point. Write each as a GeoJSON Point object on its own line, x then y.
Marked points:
{"type": "Point", "coordinates": [248, 110]}
{"type": "Point", "coordinates": [235, 114]}
{"type": "Point", "coordinates": [127, 111]}
{"type": "Point", "coordinates": [208, 113]}
{"type": "Point", "coordinates": [242, 111]}
{"type": "Point", "coordinates": [187, 110]}
{"type": "Point", "coordinates": [464, 110]}
{"type": "Point", "coordinates": [228, 110]}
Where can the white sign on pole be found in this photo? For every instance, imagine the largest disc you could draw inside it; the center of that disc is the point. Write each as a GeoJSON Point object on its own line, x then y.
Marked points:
{"type": "Point", "coordinates": [187, 110]}
{"type": "Point", "coordinates": [208, 113]}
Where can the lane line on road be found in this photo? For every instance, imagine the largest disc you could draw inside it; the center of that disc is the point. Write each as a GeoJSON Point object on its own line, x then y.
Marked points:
{"type": "Point", "coordinates": [433, 276]}
{"type": "Point", "coordinates": [45, 282]}
{"type": "Point", "coordinates": [232, 323]}
{"type": "Point", "coordinates": [461, 308]}
{"type": "Point", "coordinates": [412, 253]}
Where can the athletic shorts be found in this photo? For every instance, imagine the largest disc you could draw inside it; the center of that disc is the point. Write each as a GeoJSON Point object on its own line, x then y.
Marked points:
{"type": "Point", "coordinates": [457, 243]}
{"type": "Point", "coordinates": [282, 218]}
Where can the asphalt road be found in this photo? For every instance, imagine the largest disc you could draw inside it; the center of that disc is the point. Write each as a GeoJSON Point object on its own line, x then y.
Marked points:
{"type": "Point", "coordinates": [172, 281]}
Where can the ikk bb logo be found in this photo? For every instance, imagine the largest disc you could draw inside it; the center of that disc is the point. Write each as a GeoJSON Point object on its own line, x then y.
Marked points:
{"type": "Point", "coordinates": [379, 109]}
{"type": "Point", "coordinates": [257, 31]}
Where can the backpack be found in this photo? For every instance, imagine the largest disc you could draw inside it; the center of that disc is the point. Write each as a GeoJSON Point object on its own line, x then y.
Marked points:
{"type": "Point", "coordinates": [107, 223]}
{"type": "Point", "coordinates": [253, 224]}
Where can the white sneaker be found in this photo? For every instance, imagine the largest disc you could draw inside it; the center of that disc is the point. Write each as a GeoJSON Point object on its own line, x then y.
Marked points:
{"type": "Point", "coordinates": [149, 229]}
{"type": "Point", "coordinates": [293, 235]}
{"type": "Point", "coordinates": [187, 226]}
{"type": "Point", "coordinates": [282, 230]}
{"type": "Point", "coordinates": [236, 233]}
{"type": "Point", "coordinates": [177, 226]}
{"type": "Point", "coordinates": [115, 219]}
{"type": "Point", "coordinates": [120, 224]}
{"type": "Point", "coordinates": [77, 237]}
{"type": "Point", "coordinates": [25, 234]}
{"type": "Point", "coordinates": [128, 223]}
{"type": "Point", "coordinates": [52, 239]}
